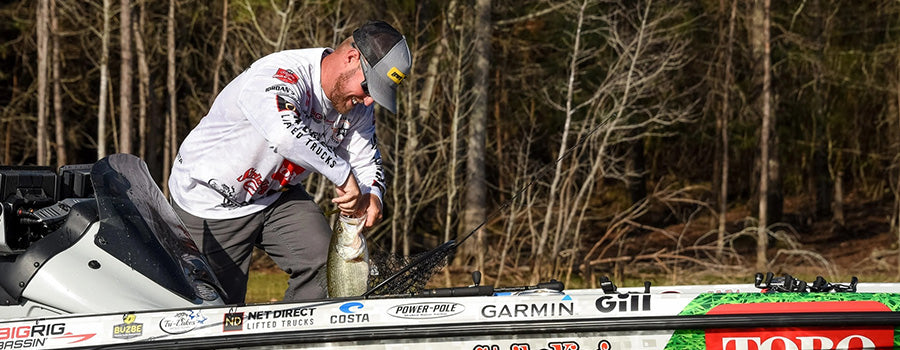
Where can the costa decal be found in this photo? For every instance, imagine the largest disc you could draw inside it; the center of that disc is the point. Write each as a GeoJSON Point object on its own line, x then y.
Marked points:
{"type": "Point", "coordinates": [349, 308]}
{"type": "Point", "coordinates": [528, 310]}
{"type": "Point", "coordinates": [350, 314]}
{"type": "Point", "coordinates": [128, 328]}
{"type": "Point", "coordinates": [425, 310]}
{"type": "Point", "coordinates": [799, 338]}
{"type": "Point", "coordinates": [286, 75]}
{"type": "Point", "coordinates": [623, 303]}
{"type": "Point", "coordinates": [233, 321]}
{"type": "Point", "coordinates": [182, 322]}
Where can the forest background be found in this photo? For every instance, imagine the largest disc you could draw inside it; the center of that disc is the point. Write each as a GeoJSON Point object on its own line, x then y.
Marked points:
{"type": "Point", "coordinates": [667, 138]}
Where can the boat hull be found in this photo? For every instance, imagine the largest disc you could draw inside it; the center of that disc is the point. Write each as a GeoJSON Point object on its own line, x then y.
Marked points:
{"type": "Point", "coordinates": [685, 317]}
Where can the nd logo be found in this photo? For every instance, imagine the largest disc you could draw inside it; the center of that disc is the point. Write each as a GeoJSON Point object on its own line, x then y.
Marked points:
{"type": "Point", "coordinates": [234, 321]}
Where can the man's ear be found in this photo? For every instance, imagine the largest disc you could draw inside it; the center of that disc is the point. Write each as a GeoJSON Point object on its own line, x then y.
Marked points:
{"type": "Point", "coordinates": [352, 55]}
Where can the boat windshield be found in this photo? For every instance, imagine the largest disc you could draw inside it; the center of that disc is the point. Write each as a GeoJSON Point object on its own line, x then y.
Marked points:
{"type": "Point", "coordinates": [140, 228]}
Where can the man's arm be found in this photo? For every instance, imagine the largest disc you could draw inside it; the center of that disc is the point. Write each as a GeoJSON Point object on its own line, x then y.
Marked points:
{"type": "Point", "coordinates": [365, 158]}
{"type": "Point", "coordinates": [275, 106]}
{"type": "Point", "coordinates": [347, 197]}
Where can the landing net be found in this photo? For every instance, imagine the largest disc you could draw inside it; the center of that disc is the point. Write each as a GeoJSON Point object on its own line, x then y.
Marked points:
{"type": "Point", "coordinates": [392, 274]}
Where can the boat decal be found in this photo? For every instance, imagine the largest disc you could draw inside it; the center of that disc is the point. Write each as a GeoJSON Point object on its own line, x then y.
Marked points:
{"type": "Point", "coordinates": [128, 328]}
{"type": "Point", "coordinates": [350, 313]}
{"type": "Point", "coordinates": [623, 303]}
{"type": "Point", "coordinates": [182, 322]}
{"type": "Point", "coordinates": [426, 310]}
{"type": "Point", "coordinates": [530, 310]}
{"type": "Point", "coordinates": [703, 303]}
{"type": "Point", "coordinates": [233, 322]}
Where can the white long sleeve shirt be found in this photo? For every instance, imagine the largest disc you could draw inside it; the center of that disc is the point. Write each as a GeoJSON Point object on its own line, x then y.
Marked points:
{"type": "Point", "coordinates": [271, 127]}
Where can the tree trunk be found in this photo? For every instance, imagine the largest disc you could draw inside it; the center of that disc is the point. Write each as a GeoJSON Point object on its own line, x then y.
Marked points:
{"type": "Point", "coordinates": [456, 94]}
{"type": "Point", "coordinates": [125, 77]}
{"type": "Point", "coordinates": [476, 188]}
{"type": "Point", "coordinates": [824, 187]}
{"type": "Point", "coordinates": [59, 129]}
{"type": "Point", "coordinates": [761, 45]}
{"type": "Point", "coordinates": [896, 213]}
{"type": "Point", "coordinates": [143, 81]}
{"type": "Point", "coordinates": [635, 170]}
{"type": "Point", "coordinates": [821, 174]}
{"type": "Point", "coordinates": [838, 203]}
{"type": "Point", "coordinates": [171, 145]}
{"type": "Point", "coordinates": [722, 130]}
{"type": "Point", "coordinates": [104, 83]}
{"type": "Point", "coordinates": [223, 39]}
{"type": "Point", "coordinates": [43, 56]}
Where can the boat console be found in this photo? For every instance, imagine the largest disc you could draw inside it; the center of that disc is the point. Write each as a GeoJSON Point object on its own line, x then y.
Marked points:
{"type": "Point", "coordinates": [35, 200]}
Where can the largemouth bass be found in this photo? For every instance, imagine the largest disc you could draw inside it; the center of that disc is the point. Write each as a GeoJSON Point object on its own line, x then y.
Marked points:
{"type": "Point", "coordinates": [348, 259]}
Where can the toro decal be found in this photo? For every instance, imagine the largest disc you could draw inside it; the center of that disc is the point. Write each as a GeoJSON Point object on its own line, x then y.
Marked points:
{"type": "Point", "coordinates": [797, 338]}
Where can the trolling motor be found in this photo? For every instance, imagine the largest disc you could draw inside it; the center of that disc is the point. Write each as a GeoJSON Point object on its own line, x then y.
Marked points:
{"type": "Point", "coordinates": [789, 284]}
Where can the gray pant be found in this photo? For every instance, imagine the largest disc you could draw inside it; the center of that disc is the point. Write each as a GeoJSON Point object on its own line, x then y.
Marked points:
{"type": "Point", "coordinates": [293, 231]}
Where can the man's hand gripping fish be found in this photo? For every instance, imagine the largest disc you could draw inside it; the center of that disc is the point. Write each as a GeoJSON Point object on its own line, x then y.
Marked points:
{"type": "Point", "coordinates": [348, 259]}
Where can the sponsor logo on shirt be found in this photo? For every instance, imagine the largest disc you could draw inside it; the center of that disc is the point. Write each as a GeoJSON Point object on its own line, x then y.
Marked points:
{"type": "Point", "coordinates": [284, 105]}
{"type": "Point", "coordinates": [286, 75]}
{"type": "Point", "coordinates": [253, 182]}
{"type": "Point", "coordinates": [287, 172]}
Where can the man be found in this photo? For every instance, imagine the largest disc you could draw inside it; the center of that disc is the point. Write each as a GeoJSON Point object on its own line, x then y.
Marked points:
{"type": "Point", "coordinates": [236, 180]}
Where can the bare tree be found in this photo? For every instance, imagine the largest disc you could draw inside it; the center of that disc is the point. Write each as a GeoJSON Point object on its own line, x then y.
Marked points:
{"type": "Point", "coordinates": [102, 103]}
{"type": "Point", "coordinates": [460, 97]}
{"type": "Point", "coordinates": [570, 110]}
{"type": "Point", "coordinates": [57, 89]}
{"type": "Point", "coordinates": [143, 79]}
{"type": "Point", "coordinates": [220, 56]}
{"type": "Point", "coordinates": [125, 77]}
{"type": "Point", "coordinates": [285, 16]}
{"type": "Point", "coordinates": [722, 125]}
{"type": "Point", "coordinates": [171, 143]}
{"type": "Point", "coordinates": [475, 208]}
{"type": "Point", "coordinates": [43, 56]}
{"type": "Point", "coordinates": [632, 101]}
{"type": "Point", "coordinates": [760, 42]}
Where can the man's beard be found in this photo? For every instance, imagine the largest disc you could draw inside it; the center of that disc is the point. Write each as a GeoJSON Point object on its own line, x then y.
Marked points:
{"type": "Point", "coordinates": [339, 97]}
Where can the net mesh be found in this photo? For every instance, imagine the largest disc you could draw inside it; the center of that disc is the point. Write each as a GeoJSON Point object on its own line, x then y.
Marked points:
{"type": "Point", "coordinates": [392, 274]}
